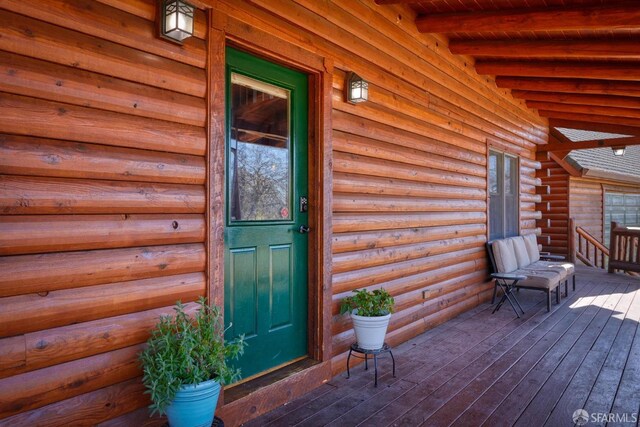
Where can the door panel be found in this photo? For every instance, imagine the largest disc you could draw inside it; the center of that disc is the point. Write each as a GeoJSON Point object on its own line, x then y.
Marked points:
{"type": "Point", "coordinates": [265, 254]}
{"type": "Point", "coordinates": [243, 284]}
{"type": "Point", "coordinates": [281, 286]}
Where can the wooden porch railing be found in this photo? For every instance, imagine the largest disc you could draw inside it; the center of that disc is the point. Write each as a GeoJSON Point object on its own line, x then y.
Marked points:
{"type": "Point", "coordinates": [589, 250]}
{"type": "Point", "coordinates": [624, 249]}
{"type": "Point", "coordinates": [625, 241]}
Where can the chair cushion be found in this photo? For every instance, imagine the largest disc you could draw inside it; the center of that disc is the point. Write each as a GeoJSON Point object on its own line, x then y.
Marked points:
{"type": "Point", "coordinates": [557, 275]}
{"type": "Point", "coordinates": [504, 256]}
{"type": "Point", "coordinates": [519, 248]}
{"type": "Point", "coordinates": [539, 279]}
{"type": "Point", "coordinates": [567, 267]}
{"type": "Point", "coordinates": [531, 243]}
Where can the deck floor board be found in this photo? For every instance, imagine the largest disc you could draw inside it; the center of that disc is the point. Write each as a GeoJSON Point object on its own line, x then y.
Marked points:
{"type": "Point", "coordinates": [536, 413]}
{"type": "Point", "coordinates": [496, 370]}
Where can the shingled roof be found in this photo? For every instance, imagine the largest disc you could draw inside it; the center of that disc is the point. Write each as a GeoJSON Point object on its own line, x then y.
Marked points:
{"type": "Point", "coordinates": [601, 162]}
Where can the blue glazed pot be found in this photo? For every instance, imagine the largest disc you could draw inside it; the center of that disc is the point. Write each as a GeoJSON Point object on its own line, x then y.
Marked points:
{"type": "Point", "coordinates": [194, 405]}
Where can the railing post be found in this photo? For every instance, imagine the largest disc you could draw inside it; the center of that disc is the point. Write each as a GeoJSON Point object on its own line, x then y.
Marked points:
{"type": "Point", "coordinates": [572, 240]}
{"type": "Point", "coordinates": [613, 246]}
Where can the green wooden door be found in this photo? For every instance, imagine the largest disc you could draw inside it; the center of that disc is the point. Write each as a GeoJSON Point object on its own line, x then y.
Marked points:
{"type": "Point", "coordinates": [265, 247]}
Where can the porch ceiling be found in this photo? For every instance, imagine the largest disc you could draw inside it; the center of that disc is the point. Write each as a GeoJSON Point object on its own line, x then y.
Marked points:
{"type": "Point", "coordinates": [576, 61]}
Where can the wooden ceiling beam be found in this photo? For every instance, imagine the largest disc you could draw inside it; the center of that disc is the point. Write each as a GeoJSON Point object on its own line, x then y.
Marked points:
{"type": "Point", "coordinates": [564, 69]}
{"type": "Point", "coordinates": [597, 143]}
{"type": "Point", "coordinates": [557, 136]}
{"type": "Point", "coordinates": [595, 118]}
{"type": "Point", "coordinates": [597, 87]}
{"type": "Point", "coordinates": [573, 123]}
{"type": "Point", "coordinates": [603, 17]}
{"type": "Point", "coordinates": [395, 1]}
{"type": "Point", "coordinates": [588, 49]}
{"type": "Point", "coordinates": [559, 158]}
{"type": "Point", "coordinates": [585, 109]}
{"type": "Point", "coordinates": [581, 99]}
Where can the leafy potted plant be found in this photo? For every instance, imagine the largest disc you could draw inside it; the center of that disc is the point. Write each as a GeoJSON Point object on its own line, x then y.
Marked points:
{"type": "Point", "coordinates": [370, 313]}
{"type": "Point", "coordinates": [184, 365]}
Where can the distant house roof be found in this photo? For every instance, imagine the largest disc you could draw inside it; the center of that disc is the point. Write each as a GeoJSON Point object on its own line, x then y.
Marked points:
{"type": "Point", "coordinates": [601, 162]}
{"type": "Point", "coordinates": [576, 135]}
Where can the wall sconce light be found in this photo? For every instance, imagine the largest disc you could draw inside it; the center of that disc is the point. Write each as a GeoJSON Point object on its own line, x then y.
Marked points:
{"type": "Point", "coordinates": [357, 88]}
{"type": "Point", "coordinates": [176, 20]}
{"type": "Point", "coordinates": [618, 151]}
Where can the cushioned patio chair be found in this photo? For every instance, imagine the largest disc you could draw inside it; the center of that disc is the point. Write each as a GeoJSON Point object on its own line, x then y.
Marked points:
{"type": "Point", "coordinates": [520, 256]}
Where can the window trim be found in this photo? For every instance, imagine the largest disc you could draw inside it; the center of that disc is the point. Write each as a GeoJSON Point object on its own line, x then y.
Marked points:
{"type": "Point", "coordinates": [503, 155]}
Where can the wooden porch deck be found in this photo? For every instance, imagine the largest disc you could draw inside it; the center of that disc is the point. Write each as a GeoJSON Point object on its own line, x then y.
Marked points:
{"type": "Point", "coordinates": [497, 370]}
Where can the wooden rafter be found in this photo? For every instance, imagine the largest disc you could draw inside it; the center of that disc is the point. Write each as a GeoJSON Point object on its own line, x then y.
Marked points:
{"type": "Point", "coordinates": [557, 136]}
{"type": "Point", "coordinates": [570, 61]}
{"type": "Point", "coordinates": [565, 69]}
{"type": "Point", "coordinates": [594, 126]}
{"type": "Point", "coordinates": [395, 1]}
{"type": "Point", "coordinates": [612, 87]}
{"type": "Point", "coordinates": [625, 121]}
{"type": "Point", "coordinates": [585, 109]}
{"type": "Point", "coordinates": [560, 160]}
{"type": "Point", "coordinates": [604, 17]}
{"type": "Point", "coordinates": [582, 99]}
{"type": "Point", "coordinates": [518, 48]}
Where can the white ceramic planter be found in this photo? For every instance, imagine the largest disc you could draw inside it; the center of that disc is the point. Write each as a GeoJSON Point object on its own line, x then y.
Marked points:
{"type": "Point", "coordinates": [370, 331]}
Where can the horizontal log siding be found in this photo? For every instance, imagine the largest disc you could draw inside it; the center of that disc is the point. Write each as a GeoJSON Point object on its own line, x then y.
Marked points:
{"type": "Point", "coordinates": [409, 176]}
{"type": "Point", "coordinates": [586, 200]}
{"type": "Point", "coordinates": [556, 217]}
{"type": "Point", "coordinates": [102, 201]}
{"type": "Point", "coordinates": [410, 186]}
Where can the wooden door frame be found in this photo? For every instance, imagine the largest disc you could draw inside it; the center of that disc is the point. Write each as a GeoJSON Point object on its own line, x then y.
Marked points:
{"type": "Point", "coordinates": [319, 70]}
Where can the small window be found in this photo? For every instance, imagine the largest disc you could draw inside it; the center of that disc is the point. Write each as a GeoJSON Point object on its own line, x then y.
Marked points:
{"type": "Point", "coordinates": [623, 208]}
{"type": "Point", "coordinates": [503, 195]}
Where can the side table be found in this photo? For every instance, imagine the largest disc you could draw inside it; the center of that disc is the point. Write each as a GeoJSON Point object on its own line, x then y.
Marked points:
{"type": "Point", "coordinates": [385, 349]}
{"type": "Point", "coordinates": [508, 281]}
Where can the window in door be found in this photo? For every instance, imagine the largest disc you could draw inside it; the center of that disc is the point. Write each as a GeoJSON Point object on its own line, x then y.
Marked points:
{"type": "Point", "coordinates": [503, 195]}
{"type": "Point", "coordinates": [260, 163]}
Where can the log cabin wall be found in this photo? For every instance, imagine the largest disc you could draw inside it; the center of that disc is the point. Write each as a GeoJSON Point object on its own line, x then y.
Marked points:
{"type": "Point", "coordinates": [409, 166]}
{"type": "Point", "coordinates": [103, 192]}
{"type": "Point", "coordinates": [102, 197]}
{"type": "Point", "coordinates": [586, 199]}
{"type": "Point", "coordinates": [573, 196]}
{"type": "Point", "coordinates": [555, 219]}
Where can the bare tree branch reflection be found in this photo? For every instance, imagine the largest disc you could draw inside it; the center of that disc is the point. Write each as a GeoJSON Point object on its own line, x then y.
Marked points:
{"type": "Point", "coordinates": [263, 181]}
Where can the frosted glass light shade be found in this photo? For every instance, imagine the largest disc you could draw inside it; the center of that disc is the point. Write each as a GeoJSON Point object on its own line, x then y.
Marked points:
{"type": "Point", "coordinates": [176, 20]}
{"type": "Point", "coordinates": [357, 89]}
{"type": "Point", "coordinates": [618, 151]}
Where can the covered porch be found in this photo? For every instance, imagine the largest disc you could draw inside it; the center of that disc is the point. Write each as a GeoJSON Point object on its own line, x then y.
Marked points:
{"type": "Point", "coordinates": [495, 370]}
{"type": "Point", "coordinates": [116, 201]}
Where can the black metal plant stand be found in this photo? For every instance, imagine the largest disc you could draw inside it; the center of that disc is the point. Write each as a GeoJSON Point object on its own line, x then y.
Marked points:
{"type": "Point", "coordinates": [375, 353]}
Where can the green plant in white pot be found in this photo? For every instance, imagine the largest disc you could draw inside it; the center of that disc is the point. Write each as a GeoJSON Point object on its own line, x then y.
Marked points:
{"type": "Point", "coordinates": [185, 363]}
{"type": "Point", "coordinates": [370, 313]}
